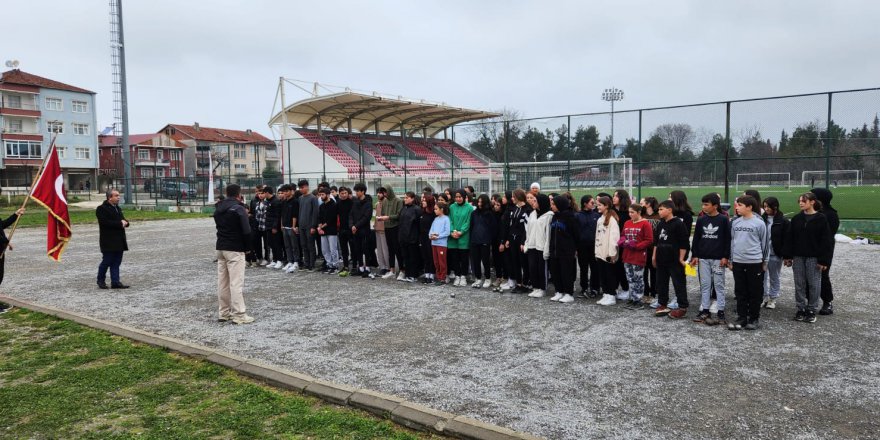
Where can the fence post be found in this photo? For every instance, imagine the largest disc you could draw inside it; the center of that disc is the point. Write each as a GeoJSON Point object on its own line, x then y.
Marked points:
{"type": "Point", "coordinates": [727, 154]}
{"type": "Point", "coordinates": [568, 145]}
{"type": "Point", "coordinates": [640, 157]}
{"type": "Point", "coordinates": [506, 161]}
{"type": "Point", "coordinates": [828, 141]}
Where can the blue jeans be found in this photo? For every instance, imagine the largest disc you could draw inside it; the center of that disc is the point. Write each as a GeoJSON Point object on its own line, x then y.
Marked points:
{"type": "Point", "coordinates": [111, 260]}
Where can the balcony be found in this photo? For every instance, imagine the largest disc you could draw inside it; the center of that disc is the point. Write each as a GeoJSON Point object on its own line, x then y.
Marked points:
{"type": "Point", "coordinates": [19, 108]}
{"type": "Point", "coordinates": [152, 163]}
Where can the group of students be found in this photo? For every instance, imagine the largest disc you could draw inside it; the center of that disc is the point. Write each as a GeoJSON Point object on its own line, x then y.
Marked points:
{"type": "Point", "coordinates": [624, 251]}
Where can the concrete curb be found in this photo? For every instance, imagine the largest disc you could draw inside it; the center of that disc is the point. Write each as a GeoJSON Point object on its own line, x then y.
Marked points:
{"type": "Point", "coordinates": [409, 414]}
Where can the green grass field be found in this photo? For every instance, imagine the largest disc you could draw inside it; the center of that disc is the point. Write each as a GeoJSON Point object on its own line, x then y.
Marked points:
{"type": "Point", "coordinates": [37, 216]}
{"type": "Point", "coordinates": [859, 202]}
{"type": "Point", "coordinates": [59, 379]}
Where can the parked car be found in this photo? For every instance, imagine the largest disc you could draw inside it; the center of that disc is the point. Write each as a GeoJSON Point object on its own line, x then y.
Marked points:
{"type": "Point", "coordinates": [173, 190]}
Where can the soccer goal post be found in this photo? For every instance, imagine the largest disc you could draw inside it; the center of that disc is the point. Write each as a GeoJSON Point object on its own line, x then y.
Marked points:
{"type": "Point", "coordinates": [835, 177]}
{"type": "Point", "coordinates": [767, 182]}
{"type": "Point", "coordinates": [561, 175]}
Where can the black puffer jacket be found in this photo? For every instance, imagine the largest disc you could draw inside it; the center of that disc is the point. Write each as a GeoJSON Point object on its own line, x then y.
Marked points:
{"type": "Point", "coordinates": [408, 227]}
{"type": "Point", "coordinates": [484, 227]}
{"type": "Point", "coordinates": [361, 213]}
{"type": "Point", "coordinates": [564, 231]}
{"type": "Point", "coordinates": [778, 230]}
{"type": "Point", "coordinates": [809, 237]}
{"type": "Point", "coordinates": [233, 228]}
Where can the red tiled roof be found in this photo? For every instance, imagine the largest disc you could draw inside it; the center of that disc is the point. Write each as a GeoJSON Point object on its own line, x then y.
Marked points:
{"type": "Point", "coordinates": [222, 135]}
{"type": "Point", "coordinates": [133, 139]}
{"type": "Point", "coordinates": [16, 76]}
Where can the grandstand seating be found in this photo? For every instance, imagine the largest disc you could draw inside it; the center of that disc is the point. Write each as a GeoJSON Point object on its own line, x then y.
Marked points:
{"type": "Point", "coordinates": [383, 148]}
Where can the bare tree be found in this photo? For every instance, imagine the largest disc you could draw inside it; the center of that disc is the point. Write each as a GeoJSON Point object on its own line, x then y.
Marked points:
{"type": "Point", "coordinates": [679, 136]}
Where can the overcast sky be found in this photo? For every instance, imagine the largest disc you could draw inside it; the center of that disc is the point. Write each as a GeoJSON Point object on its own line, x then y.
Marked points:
{"type": "Point", "coordinates": [218, 62]}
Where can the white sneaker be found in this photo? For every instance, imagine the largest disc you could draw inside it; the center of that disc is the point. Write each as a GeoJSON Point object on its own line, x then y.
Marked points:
{"type": "Point", "coordinates": [462, 282]}
{"type": "Point", "coordinates": [537, 293]}
{"type": "Point", "coordinates": [487, 283]}
{"type": "Point", "coordinates": [409, 279]}
{"type": "Point", "coordinates": [477, 284]}
{"type": "Point", "coordinates": [623, 295]}
{"type": "Point", "coordinates": [388, 275]}
{"type": "Point", "coordinates": [567, 298]}
{"type": "Point", "coordinates": [673, 305]}
{"type": "Point", "coordinates": [263, 262]}
{"type": "Point", "coordinates": [290, 269]}
{"type": "Point", "coordinates": [713, 308]}
{"type": "Point", "coordinates": [506, 287]}
{"type": "Point", "coordinates": [286, 266]}
{"type": "Point", "coordinates": [607, 300]}
{"type": "Point", "coordinates": [401, 276]}
{"type": "Point", "coordinates": [557, 297]}
{"type": "Point", "coordinates": [278, 265]}
{"type": "Point", "coordinates": [771, 303]}
{"type": "Point", "coordinates": [451, 276]}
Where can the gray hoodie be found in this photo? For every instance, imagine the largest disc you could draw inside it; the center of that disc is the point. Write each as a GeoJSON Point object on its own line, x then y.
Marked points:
{"type": "Point", "coordinates": [749, 240]}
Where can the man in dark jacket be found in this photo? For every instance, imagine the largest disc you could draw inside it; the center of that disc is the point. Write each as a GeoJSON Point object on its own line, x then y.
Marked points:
{"type": "Point", "coordinates": [344, 203]}
{"type": "Point", "coordinates": [4, 243]}
{"type": "Point", "coordinates": [111, 227]}
{"type": "Point", "coordinates": [273, 228]}
{"type": "Point", "coordinates": [826, 293]}
{"type": "Point", "coordinates": [307, 222]}
{"type": "Point", "coordinates": [233, 240]}
{"type": "Point", "coordinates": [408, 234]}
{"type": "Point", "coordinates": [328, 230]}
{"type": "Point", "coordinates": [361, 213]}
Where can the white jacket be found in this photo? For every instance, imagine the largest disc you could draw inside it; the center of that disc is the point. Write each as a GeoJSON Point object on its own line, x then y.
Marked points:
{"type": "Point", "coordinates": [606, 239]}
{"type": "Point", "coordinates": [538, 230]}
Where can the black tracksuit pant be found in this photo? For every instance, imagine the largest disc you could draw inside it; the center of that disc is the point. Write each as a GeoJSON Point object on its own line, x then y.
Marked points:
{"type": "Point", "coordinates": [563, 271]}
{"type": "Point", "coordinates": [675, 272]}
{"type": "Point", "coordinates": [589, 267]}
{"type": "Point", "coordinates": [480, 261]}
{"type": "Point", "coordinates": [748, 286]}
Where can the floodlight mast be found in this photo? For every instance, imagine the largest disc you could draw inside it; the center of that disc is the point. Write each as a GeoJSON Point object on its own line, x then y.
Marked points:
{"type": "Point", "coordinates": [613, 94]}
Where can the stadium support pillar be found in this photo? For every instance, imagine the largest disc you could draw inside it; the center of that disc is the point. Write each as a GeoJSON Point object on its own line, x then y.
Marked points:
{"type": "Point", "coordinates": [283, 129]}
{"type": "Point", "coordinates": [727, 154]}
{"type": "Point", "coordinates": [828, 140]}
{"type": "Point", "coordinates": [639, 196]}
{"type": "Point", "coordinates": [568, 144]}
{"type": "Point", "coordinates": [323, 152]}
{"type": "Point", "coordinates": [405, 155]}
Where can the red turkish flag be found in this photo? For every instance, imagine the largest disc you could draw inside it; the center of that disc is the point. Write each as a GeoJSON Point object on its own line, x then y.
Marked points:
{"type": "Point", "coordinates": [49, 192]}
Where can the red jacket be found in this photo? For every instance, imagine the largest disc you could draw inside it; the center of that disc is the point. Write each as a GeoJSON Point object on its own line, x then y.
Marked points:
{"type": "Point", "coordinates": [635, 240]}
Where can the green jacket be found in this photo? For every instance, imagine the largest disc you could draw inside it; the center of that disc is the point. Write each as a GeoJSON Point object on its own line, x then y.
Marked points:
{"type": "Point", "coordinates": [460, 220]}
{"type": "Point", "coordinates": [391, 206]}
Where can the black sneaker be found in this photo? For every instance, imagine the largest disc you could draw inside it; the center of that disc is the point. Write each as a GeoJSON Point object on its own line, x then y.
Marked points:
{"type": "Point", "coordinates": [584, 293]}
{"type": "Point", "coordinates": [365, 274]}
{"type": "Point", "coordinates": [103, 286]}
{"type": "Point", "coordinates": [702, 316]}
{"type": "Point", "coordinates": [752, 325]}
{"type": "Point", "coordinates": [332, 272]}
{"type": "Point", "coordinates": [827, 309]}
{"type": "Point", "coordinates": [810, 317]}
{"type": "Point", "coordinates": [593, 294]}
{"type": "Point", "coordinates": [119, 286]}
{"type": "Point", "coordinates": [800, 315]}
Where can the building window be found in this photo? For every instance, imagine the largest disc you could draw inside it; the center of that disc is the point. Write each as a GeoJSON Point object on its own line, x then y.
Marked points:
{"type": "Point", "coordinates": [173, 172]}
{"type": "Point", "coordinates": [54, 104]}
{"type": "Point", "coordinates": [146, 172]}
{"type": "Point", "coordinates": [24, 149]}
{"type": "Point", "coordinates": [55, 127]}
{"type": "Point", "coordinates": [13, 101]}
{"type": "Point", "coordinates": [15, 126]}
{"type": "Point", "coordinates": [240, 152]}
{"type": "Point", "coordinates": [62, 151]}
{"type": "Point", "coordinates": [80, 129]}
{"type": "Point", "coordinates": [175, 155]}
{"type": "Point", "coordinates": [83, 152]}
{"type": "Point", "coordinates": [159, 156]}
{"type": "Point", "coordinates": [160, 172]}
{"type": "Point", "coordinates": [143, 154]}
{"type": "Point", "coordinates": [240, 167]}
{"type": "Point", "coordinates": [80, 106]}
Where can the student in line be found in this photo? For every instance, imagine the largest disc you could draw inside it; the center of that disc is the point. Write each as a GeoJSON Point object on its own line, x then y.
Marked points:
{"type": "Point", "coordinates": [459, 239]}
{"type": "Point", "coordinates": [827, 293]}
{"type": "Point", "coordinates": [499, 208]}
{"type": "Point", "coordinates": [807, 250]}
{"type": "Point", "coordinates": [651, 204]}
{"type": "Point", "coordinates": [636, 238]}
{"type": "Point", "coordinates": [778, 230]}
{"type": "Point", "coordinates": [425, 222]}
{"type": "Point", "coordinates": [484, 228]}
{"type": "Point", "coordinates": [587, 219]}
{"type": "Point", "coordinates": [537, 235]}
{"type": "Point", "coordinates": [607, 235]}
{"type": "Point", "coordinates": [439, 234]}
{"type": "Point", "coordinates": [513, 233]}
{"type": "Point", "coordinates": [328, 221]}
{"type": "Point", "coordinates": [749, 250]}
{"type": "Point", "coordinates": [561, 248]}
{"type": "Point", "coordinates": [671, 244]}
{"type": "Point", "coordinates": [408, 237]}
{"type": "Point", "coordinates": [621, 202]}
{"type": "Point", "coordinates": [711, 252]}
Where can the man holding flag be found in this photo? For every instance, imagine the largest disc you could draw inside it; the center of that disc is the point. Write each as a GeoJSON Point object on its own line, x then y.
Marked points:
{"type": "Point", "coordinates": [4, 243]}
{"type": "Point", "coordinates": [111, 227]}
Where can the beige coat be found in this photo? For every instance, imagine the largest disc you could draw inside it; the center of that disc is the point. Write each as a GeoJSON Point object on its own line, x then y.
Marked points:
{"type": "Point", "coordinates": [606, 240]}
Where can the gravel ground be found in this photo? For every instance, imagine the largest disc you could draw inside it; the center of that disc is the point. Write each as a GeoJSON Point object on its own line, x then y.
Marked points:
{"type": "Point", "coordinates": [561, 371]}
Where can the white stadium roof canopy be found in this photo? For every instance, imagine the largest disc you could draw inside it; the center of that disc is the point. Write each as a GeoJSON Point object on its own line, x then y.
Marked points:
{"type": "Point", "coordinates": [357, 112]}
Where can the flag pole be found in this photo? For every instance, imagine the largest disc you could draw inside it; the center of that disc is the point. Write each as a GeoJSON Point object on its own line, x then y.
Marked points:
{"type": "Point", "coordinates": [31, 191]}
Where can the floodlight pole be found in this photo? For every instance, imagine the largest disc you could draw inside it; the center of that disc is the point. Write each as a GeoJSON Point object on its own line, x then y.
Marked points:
{"type": "Point", "coordinates": [613, 94]}
{"type": "Point", "coordinates": [123, 97]}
